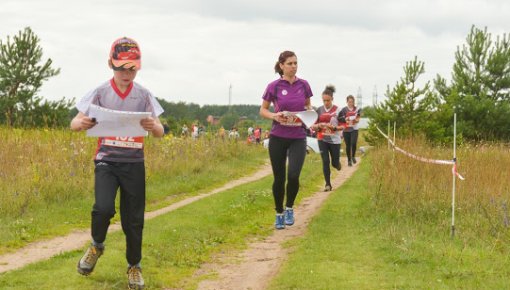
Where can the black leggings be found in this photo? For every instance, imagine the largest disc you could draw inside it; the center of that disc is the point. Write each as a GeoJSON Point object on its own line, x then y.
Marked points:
{"type": "Point", "coordinates": [130, 177]}
{"type": "Point", "coordinates": [327, 150]}
{"type": "Point", "coordinates": [350, 138]}
{"type": "Point", "coordinates": [279, 148]}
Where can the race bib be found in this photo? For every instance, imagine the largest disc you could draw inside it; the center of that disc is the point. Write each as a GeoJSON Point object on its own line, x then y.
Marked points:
{"type": "Point", "coordinates": [292, 121]}
{"type": "Point", "coordinates": [124, 142]}
{"type": "Point", "coordinates": [327, 132]}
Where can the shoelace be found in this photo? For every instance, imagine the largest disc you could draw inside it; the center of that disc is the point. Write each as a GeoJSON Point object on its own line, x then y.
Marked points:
{"type": "Point", "coordinates": [135, 275]}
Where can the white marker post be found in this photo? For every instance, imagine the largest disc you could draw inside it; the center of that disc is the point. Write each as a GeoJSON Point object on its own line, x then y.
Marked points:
{"type": "Point", "coordinates": [453, 173]}
{"type": "Point", "coordinates": [394, 133]}
{"type": "Point", "coordinates": [389, 128]}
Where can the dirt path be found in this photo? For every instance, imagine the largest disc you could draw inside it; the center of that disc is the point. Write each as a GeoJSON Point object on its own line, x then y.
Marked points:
{"type": "Point", "coordinates": [262, 260]}
{"type": "Point", "coordinates": [43, 250]}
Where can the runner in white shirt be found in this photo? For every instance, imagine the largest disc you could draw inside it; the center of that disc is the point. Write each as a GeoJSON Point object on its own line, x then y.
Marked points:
{"type": "Point", "coordinates": [119, 161]}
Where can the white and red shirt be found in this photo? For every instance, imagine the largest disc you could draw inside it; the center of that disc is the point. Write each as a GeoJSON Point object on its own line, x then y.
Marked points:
{"type": "Point", "coordinates": [348, 115]}
{"type": "Point", "coordinates": [135, 99]}
{"type": "Point", "coordinates": [328, 116]}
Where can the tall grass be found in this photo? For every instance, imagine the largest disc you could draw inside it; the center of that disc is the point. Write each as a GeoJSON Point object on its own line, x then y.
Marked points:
{"type": "Point", "coordinates": [398, 245]}
{"type": "Point", "coordinates": [420, 193]}
{"type": "Point", "coordinates": [46, 176]}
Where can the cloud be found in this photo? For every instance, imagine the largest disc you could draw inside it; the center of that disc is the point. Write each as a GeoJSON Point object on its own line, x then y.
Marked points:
{"type": "Point", "coordinates": [193, 50]}
{"type": "Point", "coordinates": [432, 17]}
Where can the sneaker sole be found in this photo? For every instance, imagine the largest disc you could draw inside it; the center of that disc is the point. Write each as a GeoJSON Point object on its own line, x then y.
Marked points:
{"type": "Point", "coordinates": [82, 271]}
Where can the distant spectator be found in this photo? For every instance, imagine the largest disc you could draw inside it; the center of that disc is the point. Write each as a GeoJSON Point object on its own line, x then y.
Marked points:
{"type": "Point", "coordinates": [266, 134]}
{"type": "Point", "coordinates": [201, 130]}
{"type": "Point", "coordinates": [257, 133]}
{"type": "Point", "coordinates": [221, 132]}
{"type": "Point", "coordinates": [233, 134]}
{"type": "Point", "coordinates": [194, 131]}
{"type": "Point", "coordinates": [166, 129]}
{"type": "Point", "coordinates": [184, 130]}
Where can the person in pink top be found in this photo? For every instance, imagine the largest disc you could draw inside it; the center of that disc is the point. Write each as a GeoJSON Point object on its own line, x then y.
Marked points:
{"type": "Point", "coordinates": [119, 161]}
{"type": "Point", "coordinates": [287, 139]}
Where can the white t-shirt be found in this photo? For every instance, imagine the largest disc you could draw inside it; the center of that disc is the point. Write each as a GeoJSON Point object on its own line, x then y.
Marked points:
{"type": "Point", "coordinates": [135, 99]}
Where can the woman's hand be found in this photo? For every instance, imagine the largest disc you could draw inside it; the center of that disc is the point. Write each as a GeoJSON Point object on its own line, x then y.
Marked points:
{"type": "Point", "coordinates": [280, 117]}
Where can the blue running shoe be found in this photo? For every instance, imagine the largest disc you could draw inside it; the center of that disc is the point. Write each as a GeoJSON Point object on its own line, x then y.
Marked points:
{"type": "Point", "coordinates": [279, 223]}
{"type": "Point", "coordinates": [289, 216]}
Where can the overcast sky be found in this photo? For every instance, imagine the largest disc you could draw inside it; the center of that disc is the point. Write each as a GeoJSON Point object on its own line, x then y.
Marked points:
{"type": "Point", "coordinates": [192, 50]}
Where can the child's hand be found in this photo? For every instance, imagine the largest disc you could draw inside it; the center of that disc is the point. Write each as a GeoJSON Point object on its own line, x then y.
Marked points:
{"type": "Point", "coordinates": [148, 124]}
{"type": "Point", "coordinates": [87, 123]}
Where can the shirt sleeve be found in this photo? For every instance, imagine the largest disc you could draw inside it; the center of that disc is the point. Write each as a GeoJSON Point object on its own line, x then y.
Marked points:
{"type": "Point", "coordinates": [308, 90]}
{"type": "Point", "coordinates": [269, 94]}
{"type": "Point", "coordinates": [341, 116]}
{"type": "Point", "coordinates": [153, 106]}
{"type": "Point", "coordinates": [85, 102]}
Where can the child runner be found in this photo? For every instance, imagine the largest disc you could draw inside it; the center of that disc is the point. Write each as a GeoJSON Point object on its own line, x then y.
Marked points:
{"type": "Point", "coordinates": [119, 162]}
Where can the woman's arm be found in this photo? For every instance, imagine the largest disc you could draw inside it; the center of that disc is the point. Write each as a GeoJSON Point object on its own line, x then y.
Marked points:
{"type": "Point", "coordinates": [308, 105]}
{"type": "Point", "coordinates": [265, 113]}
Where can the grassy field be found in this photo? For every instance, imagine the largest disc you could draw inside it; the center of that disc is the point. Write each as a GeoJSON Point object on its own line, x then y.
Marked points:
{"type": "Point", "coordinates": [388, 227]}
{"type": "Point", "coordinates": [176, 244]}
{"type": "Point", "coordinates": [421, 192]}
{"type": "Point", "coordinates": [47, 178]}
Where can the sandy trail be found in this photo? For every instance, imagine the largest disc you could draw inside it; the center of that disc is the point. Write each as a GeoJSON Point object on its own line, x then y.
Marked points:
{"type": "Point", "coordinates": [261, 261]}
{"type": "Point", "coordinates": [43, 250]}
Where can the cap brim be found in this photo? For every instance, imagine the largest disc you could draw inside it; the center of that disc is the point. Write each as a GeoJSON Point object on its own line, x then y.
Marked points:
{"type": "Point", "coordinates": [127, 64]}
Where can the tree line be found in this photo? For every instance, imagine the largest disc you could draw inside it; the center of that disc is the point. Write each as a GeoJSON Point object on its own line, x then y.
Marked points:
{"type": "Point", "coordinates": [478, 91]}
{"type": "Point", "coordinates": [178, 113]}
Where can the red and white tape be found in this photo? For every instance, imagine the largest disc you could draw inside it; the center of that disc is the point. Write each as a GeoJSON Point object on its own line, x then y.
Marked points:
{"type": "Point", "coordinates": [423, 159]}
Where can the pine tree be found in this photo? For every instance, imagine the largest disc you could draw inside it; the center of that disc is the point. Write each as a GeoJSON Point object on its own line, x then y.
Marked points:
{"type": "Point", "coordinates": [480, 88]}
{"type": "Point", "coordinates": [407, 104]}
{"type": "Point", "coordinates": [21, 76]}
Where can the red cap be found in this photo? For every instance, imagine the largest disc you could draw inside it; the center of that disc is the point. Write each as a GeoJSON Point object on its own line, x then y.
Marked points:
{"type": "Point", "coordinates": [125, 54]}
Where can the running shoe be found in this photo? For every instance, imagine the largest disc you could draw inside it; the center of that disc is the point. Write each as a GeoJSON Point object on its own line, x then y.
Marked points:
{"type": "Point", "coordinates": [289, 216]}
{"type": "Point", "coordinates": [280, 222]}
{"type": "Point", "coordinates": [135, 279]}
{"type": "Point", "coordinates": [88, 261]}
